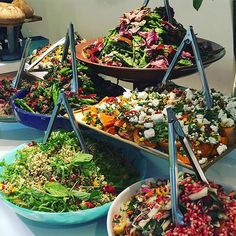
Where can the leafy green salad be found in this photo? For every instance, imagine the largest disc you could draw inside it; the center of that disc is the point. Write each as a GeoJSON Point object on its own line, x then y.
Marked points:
{"type": "Point", "coordinates": [58, 177]}
{"type": "Point", "coordinates": [42, 96]}
{"type": "Point", "coordinates": [143, 39]}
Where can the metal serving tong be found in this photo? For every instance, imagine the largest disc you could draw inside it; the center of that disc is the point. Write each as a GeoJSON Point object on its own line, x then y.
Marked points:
{"type": "Point", "coordinates": [50, 49]}
{"type": "Point", "coordinates": [190, 38]}
{"type": "Point", "coordinates": [17, 79]}
{"type": "Point", "coordinates": [175, 130]}
{"type": "Point", "coordinates": [62, 100]}
{"type": "Point", "coordinates": [70, 42]}
{"type": "Point", "coordinates": [167, 7]}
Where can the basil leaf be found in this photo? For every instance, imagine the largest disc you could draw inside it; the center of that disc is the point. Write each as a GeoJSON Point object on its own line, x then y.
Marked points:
{"type": "Point", "coordinates": [84, 196]}
{"type": "Point", "coordinates": [56, 189]}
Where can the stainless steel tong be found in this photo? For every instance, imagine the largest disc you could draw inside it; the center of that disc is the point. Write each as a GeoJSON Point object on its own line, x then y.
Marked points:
{"type": "Point", "coordinates": [175, 130]}
{"type": "Point", "coordinates": [25, 52]}
{"type": "Point", "coordinates": [70, 42]}
{"type": "Point", "coordinates": [62, 100]}
{"type": "Point", "coordinates": [190, 38]}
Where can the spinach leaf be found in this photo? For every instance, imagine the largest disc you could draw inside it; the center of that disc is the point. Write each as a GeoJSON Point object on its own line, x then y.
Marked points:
{"type": "Point", "coordinates": [56, 189]}
{"type": "Point", "coordinates": [84, 196]}
{"type": "Point", "coordinates": [96, 195]}
{"type": "Point", "coordinates": [81, 158]}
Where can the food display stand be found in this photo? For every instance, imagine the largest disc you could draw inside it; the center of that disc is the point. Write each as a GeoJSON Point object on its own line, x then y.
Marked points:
{"type": "Point", "coordinates": [13, 52]}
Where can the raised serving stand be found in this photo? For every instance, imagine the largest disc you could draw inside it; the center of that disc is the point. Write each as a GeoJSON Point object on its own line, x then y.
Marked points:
{"type": "Point", "coordinates": [13, 31]}
{"type": "Point", "coordinates": [41, 121]}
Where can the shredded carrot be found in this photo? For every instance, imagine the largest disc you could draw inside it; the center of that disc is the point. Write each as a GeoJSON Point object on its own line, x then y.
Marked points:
{"type": "Point", "coordinates": [119, 123]}
{"type": "Point", "coordinates": [150, 193]}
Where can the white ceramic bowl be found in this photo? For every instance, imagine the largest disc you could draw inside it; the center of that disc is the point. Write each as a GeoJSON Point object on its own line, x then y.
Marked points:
{"type": "Point", "coordinates": [125, 195]}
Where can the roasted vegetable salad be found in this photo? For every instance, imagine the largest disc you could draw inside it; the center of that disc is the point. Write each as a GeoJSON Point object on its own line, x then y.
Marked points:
{"type": "Point", "coordinates": [141, 117]}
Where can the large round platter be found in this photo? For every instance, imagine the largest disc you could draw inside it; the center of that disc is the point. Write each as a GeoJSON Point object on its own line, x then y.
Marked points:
{"type": "Point", "coordinates": [66, 218]}
{"type": "Point", "coordinates": [148, 75]}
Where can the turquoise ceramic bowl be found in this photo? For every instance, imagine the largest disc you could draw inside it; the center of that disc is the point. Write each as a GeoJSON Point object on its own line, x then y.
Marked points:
{"type": "Point", "coordinates": [64, 218]}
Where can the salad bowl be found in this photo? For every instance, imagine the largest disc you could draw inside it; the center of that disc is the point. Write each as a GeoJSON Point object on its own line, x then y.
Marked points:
{"type": "Point", "coordinates": [117, 208]}
{"type": "Point", "coordinates": [36, 120]}
{"type": "Point", "coordinates": [32, 118]}
{"type": "Point", "coordinates": [70, 217]}
{"type": "Point", "coordinates": [148, 75]}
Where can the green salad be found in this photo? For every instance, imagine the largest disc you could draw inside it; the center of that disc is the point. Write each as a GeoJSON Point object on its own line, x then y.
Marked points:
{"type": "Point", "coordinates": [143, 39]}
{"type": "Point", "coordinates": [42, 95]}
{"type": "Point", "coordinates": [58, 177]}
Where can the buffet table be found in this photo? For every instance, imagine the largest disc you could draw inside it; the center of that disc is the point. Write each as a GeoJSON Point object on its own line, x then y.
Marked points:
{"type": "Point", "coordinates": [14, 134]}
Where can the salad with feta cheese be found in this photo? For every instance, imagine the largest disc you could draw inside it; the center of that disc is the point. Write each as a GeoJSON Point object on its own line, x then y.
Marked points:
{"type": "Point", "coordinates": [141, 117]}
{"type": "Point", "coordinates": [58, 177]}
{"type": "Point", "coordinates": [143, 39]}
{"type": "Point", "coordinates": [207, 210]}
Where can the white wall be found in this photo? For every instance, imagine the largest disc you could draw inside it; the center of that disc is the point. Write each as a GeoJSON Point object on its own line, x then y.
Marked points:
{"type": "Point", "coordinates": [93, 18]}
